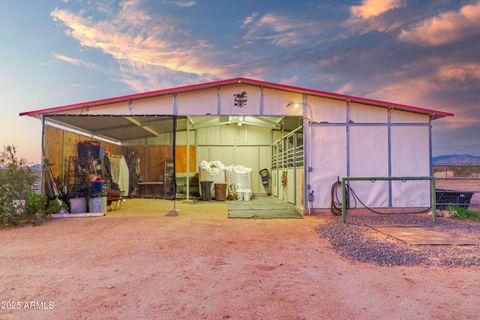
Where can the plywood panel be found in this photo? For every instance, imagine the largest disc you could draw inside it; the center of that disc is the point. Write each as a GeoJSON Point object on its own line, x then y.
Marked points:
{"type": "Point", "coordinates": [70, 143]}
{"type": "Point", "coordinates": [53, 147]}
{"type": "Point", "coordinates": [181, 159]}
{"type": "Point", "coordinates": [155, 161]}
{"type": "Point", "coordinates": [300, 187]}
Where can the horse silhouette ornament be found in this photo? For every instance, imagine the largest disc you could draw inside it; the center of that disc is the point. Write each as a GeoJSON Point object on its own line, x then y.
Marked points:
{"type": "Point", "coordinates": [240, 99]}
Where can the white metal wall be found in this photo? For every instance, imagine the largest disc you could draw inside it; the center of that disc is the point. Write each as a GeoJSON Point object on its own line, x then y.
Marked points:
{"type": "Point", "coordinates": [245, 145]}
{"type": "Point", "coordinates": [351, 139]}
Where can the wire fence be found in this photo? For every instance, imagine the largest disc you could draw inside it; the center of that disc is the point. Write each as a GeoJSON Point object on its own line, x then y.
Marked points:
{"type": "Point", "coordinates": [458, 185]}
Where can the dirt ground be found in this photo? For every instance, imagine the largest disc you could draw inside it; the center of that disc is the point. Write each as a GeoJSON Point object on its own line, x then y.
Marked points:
{"type": "Point", "coordinates": [202, 265]}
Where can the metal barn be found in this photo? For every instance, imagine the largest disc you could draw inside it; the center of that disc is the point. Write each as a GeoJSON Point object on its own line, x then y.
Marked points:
{"type": "Point", "coordinates": [307, 139]}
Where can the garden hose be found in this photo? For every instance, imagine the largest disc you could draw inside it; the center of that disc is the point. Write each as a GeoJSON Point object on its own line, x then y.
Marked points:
{"type": "Point", "coordinates": [336, 204]}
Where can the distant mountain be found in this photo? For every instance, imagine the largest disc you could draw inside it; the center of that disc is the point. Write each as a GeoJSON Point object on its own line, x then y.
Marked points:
{"type": "Point", "coordinates": [456, 159]}
{"type": "Point", "coordinates": [36, 167]}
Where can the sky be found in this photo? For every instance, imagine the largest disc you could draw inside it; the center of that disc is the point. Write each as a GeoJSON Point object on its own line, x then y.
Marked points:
{"type": "Point", "coordinates": [422, 53]}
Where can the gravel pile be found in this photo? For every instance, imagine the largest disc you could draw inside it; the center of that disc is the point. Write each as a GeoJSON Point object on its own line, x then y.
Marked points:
{"type": "Point", "coordinates": [358, 241]}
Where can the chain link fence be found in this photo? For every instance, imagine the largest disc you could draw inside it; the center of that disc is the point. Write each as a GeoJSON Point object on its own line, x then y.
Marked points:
{"type": "Point", "coordinates": [458, 185]}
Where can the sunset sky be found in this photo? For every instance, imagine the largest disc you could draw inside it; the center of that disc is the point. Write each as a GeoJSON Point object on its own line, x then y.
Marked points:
{"type": "Point", "coordinates": [424, 53]}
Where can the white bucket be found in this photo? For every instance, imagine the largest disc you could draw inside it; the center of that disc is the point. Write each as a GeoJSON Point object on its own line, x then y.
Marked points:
{"type": "Point", "coordinates": [240, 195]}
{"type": "Point", "coordinates": [247, 195]}
{"type": "Point", "coordinates": [78, 205]}
{"type": "Point", "coordinates": [97, 204]}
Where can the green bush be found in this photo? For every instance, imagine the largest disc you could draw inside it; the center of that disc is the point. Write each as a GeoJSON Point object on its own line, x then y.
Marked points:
{"type": "Point", "coordinates": [35, 204]}
{"type": "Point", "coordinates": [54, 206]}
{"type": "Point", "coordinates": [463, 213]}
{"type": "Point", "coordinates": [16, 181]}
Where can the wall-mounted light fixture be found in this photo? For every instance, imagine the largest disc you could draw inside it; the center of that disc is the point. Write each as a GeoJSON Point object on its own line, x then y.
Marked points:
{"type": "Point", "coordinates": [293, 105]}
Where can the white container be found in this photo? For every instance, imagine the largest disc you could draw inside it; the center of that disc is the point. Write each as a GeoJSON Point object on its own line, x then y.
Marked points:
{"type": "Point", "coordinates": [239, 195]}
{"type": "Point", "coordinates": [78, 205]}
{"type": "Point", "coordinates": [97, 204]}
{"type": "Point", "coordinates": [247, 195]}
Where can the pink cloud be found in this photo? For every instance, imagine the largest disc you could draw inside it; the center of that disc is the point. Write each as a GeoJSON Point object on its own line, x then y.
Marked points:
{"type": "Point", "coordinates": [137, 40]}
{"type": "Point", "coordinates": [446, 27]}
{"type": "Point", "coordinates": [373, 8]}
{"type": "Point", "coordinates": [279, 30]}
{"type": "Point", "coordinates": [460, 71]}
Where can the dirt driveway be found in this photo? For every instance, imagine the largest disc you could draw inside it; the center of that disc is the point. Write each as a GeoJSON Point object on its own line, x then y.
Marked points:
{"type": "Point", "coordinates": [203, 266]}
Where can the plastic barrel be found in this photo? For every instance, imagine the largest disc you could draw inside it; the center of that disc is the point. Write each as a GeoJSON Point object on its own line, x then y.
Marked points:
{"type": "Point", "coordinates": [220, 191]}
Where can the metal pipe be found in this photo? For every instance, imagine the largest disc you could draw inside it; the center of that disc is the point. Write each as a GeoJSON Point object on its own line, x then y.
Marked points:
{"type": "Point", "coordinates": [430, 156]}
{"type": "Point", "coordinates": [306, 154]}
{"type": "Point", "coordinates": [294, 170]}
{"type": "Point", "coordinates": [434, 200]}
{"type": "Point", "coordinates": [389, 137]}
{"type": "Point", "coordinates": [188, 160]}
{"type": "Point", "coordinates": [42, 174]}
{"type": "Point", "coordinates": [344, 200]}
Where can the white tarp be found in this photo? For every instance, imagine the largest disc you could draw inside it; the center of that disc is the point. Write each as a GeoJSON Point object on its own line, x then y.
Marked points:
{"type": "Point", "coordinates": [328, 158]}
{"type": "Point", "coordinates": [369, 158]}
{"type": "Point", "coordinates": [410, 157]}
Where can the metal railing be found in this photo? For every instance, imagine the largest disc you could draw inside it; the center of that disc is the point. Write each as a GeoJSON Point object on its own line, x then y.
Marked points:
{"type": "Point", "coordinates": [289, 158]}
{"type": "Point", "coordinates": [344, 181]}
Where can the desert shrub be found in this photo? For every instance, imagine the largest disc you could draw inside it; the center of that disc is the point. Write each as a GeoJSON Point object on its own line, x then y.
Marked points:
{"type": "Point", "coordinates": [53, 206]}
{"type": "Point", "coordinates": [35, 204]}
{"type": "Point", "coordinates": [16, 181]}
{"type": "Point", "coordinates": [463, 213]}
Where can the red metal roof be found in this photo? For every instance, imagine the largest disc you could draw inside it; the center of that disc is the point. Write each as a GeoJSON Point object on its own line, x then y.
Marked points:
{"type": "Point", "coordinates": [437, 114]}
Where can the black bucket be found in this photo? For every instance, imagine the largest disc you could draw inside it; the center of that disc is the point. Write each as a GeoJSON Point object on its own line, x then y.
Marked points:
{"type": "Point", "coordinates": [206, 190]}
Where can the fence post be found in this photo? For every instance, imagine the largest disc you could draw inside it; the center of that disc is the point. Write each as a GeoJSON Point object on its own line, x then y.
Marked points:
{"type": "Point", "coordinates": [434, 201]}
{"type": "Point", "coordinates": [344, 200]}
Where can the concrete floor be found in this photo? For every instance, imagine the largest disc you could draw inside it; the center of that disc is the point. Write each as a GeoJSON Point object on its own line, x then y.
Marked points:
{"type": "Point", "coordinates": [262, 208]}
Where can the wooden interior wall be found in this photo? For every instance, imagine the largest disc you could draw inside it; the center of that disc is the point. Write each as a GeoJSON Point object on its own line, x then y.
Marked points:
{"type": "Point", "coordinates": [59, 145]}
{"type": "Point", "coordinates": [53, 149]}
{"type": "Point", "coordinates": [156, 155]}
